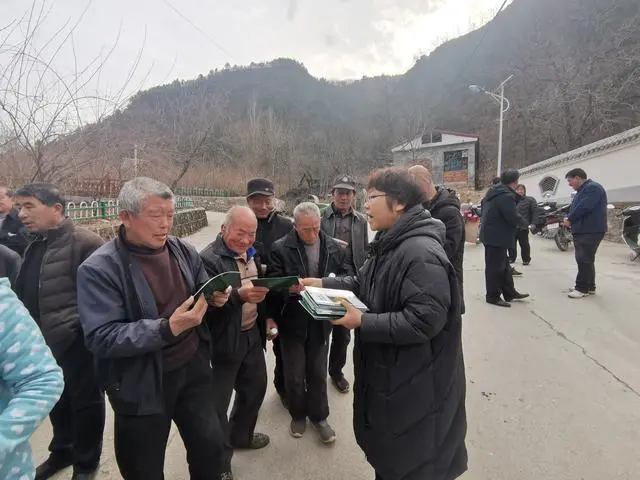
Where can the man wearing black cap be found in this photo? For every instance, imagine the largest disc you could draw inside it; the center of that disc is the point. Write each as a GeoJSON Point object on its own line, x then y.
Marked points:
{"type": "Point", "coordinates": [500, 220]}
{"type": "Point", "coordinates": [349, 228]}
{"type": "Point", "coordinates": [271, 227]}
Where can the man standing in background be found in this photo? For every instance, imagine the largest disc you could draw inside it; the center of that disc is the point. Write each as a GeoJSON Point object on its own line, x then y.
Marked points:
{"type": "Point", "coordinates": [13, 233]}
{"type": "Point", "coordinates": [445, 206]}
{"type": "Point", "coordinates": [527, 208]}
{"type": "Point", "coordinates": [588, 221]}
{"type": "Point", "coordinates": [271, 227]}
{"type": "Point", "coordinates": [349, 227]}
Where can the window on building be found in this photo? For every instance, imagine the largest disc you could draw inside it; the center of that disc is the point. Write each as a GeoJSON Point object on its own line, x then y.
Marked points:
{"type": "Point", "coordinates": [456, 160]}
{"type": "Point", "coordinates": [549, 185]}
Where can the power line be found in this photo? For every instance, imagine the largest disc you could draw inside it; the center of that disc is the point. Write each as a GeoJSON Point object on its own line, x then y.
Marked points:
{"type": "Point", "coordinates": [211, 39]}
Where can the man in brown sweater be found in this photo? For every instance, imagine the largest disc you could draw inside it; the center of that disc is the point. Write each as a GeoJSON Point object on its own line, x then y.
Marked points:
{"type": "Point", "coordinates": [238, 332]}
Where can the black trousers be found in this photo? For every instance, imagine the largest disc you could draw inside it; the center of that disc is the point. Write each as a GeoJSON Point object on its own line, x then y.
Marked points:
{"type": "Point", "coordinates": [306, 373]}
{"type": "Point", "coordinates": [586, 245]}
{"type": "Point", "coordinates": [340, 338]}
{"type": "Point", "coordinates": [522, 238]}
{"type": "Point", "coordinates": [497, 273]}
{"type": "Point", "coordinates": [246, 372]}
{"type": "Point", "coordinates": [78, 417]}
{"type": "Point", "coordinates": [278, 371]}
{"type": "Point", "coordinates": [141, 441]}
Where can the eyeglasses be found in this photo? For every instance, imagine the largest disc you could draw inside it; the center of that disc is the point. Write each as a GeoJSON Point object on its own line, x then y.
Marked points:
{"type": "Point", "coordinates": [371, 197]}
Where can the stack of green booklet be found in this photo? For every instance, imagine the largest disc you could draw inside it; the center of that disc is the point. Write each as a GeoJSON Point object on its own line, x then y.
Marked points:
{"type": "Point", "coordinates": [325, 303]}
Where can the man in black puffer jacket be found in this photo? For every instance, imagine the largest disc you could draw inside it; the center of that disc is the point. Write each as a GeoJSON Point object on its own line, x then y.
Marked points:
{"type": "Point", "coordinates": [445, 206]}
{"type": "Point", "coordinates": [409, 391]}
{"type": "Point", "coordinates": [500, 220]}
{"type": "Point", "coordinates": [528, 210]}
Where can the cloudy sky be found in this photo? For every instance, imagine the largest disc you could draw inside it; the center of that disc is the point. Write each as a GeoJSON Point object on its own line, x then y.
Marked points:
{"type": "Point", "coordinates": [336, 39]}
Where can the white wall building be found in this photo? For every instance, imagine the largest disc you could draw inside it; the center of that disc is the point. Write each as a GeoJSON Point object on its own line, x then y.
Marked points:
{"type": "Point", "coordinates": [613, 162]}
{"type": "Point", "coordinates": [451, 157]}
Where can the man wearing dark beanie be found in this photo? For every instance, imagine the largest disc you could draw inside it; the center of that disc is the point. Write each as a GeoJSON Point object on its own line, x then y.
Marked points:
{"type": "Point", "coordinates": [500, 221]}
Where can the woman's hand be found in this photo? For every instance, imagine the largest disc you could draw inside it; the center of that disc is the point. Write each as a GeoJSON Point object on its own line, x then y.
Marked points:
{"type": "Point", "coordinates": [352, 319]}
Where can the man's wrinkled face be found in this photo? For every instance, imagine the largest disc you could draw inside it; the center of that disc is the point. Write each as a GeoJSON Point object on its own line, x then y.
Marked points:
{"type": "Point", "coordinates": [152, 225]}
{"type": "Point", "coordinates": [343, 199]}
{"type": "Point", "coordinates": [308, 228]}
{"type": "Point", "coordinates": [240, 235]}
{"type": "Point", "coordinates": [37, 216]}
{"type": "Point", "coordinates": [575, 182]}
{"type": "Point", "coordinates": [262, 205]}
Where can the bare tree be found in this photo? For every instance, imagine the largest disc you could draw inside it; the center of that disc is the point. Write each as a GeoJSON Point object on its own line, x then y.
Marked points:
{"type": "Point", "coordinates": [40, 105]}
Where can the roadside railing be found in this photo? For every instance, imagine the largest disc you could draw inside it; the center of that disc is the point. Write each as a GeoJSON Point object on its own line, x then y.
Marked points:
{"type": "Point", "coordinates": [109, 209]}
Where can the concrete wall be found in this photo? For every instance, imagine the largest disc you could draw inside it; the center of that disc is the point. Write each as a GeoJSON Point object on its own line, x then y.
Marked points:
{"type": "Point", "coordinates": [618, 170]}
{"type": "Point", "coordinates": [186, 222]}
{"type": "Point", "coordinates": [433, 158]}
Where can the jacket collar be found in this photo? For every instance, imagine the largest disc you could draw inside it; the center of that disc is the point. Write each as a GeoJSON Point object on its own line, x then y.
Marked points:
{"type": "Point", "coordinates": [60, 231]}
{"type": "Point", "coordinates": [293, 241]}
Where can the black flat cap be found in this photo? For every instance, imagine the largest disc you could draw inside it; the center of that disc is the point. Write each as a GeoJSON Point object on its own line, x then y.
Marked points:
{"type": "Point", "coordinates": [260, 186]}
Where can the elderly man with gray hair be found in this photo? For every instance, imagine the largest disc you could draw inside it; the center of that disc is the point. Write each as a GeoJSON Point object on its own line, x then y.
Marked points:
{"type": "Point", "coordinates": [144, 327]}
{"type": "Point", "coordinates": [304, 252]}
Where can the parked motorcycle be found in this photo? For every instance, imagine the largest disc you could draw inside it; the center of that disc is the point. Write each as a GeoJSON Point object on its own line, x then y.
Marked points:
{"type": "Point", "coordinates": [631, 229]}
{"type": "Point", "coordinates": [562, 237]}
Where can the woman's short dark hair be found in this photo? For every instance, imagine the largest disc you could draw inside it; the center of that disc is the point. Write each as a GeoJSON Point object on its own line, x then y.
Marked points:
{"type": "Point", "coordinates": [397, 184]}
{"type": "Point", "coordinates": [576, 172]}
{"type": "Point", "coordinates": [45, 192]}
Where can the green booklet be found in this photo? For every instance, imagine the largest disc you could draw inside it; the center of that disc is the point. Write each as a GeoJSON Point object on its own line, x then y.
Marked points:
{"type": "Point", "coordinates": [276, 283]}
{"type": "Point", "coordinates": [219, 283]}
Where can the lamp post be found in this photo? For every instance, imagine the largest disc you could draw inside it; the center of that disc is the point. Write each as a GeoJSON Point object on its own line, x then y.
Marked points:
{"type": "Point", "coordinates": [504, 107]}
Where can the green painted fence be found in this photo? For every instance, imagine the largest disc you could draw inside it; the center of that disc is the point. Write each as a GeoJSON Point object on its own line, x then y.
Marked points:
{"type": "Point", "coordinates": [109, 209]}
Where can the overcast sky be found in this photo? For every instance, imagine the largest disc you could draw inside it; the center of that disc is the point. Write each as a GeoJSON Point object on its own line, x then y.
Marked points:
{"type": "Point", "coordinates": [336, 39]}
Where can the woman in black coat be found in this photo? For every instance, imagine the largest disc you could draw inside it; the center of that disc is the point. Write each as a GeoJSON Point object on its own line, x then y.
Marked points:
{"type": "Point", "coordinates": [409, 392]}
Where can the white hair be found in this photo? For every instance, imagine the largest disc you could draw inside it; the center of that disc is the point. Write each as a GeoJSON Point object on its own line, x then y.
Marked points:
{"type": "Point", "coordinates": [306, 208]}
{"type": "Point", "coordinates": [135, 191]}
{"type": "Point", "coordinates": [233, 211]}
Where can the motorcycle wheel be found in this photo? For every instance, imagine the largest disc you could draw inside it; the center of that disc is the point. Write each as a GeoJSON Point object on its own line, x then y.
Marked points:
{"type": "Point", "coordinates": [562, 240]}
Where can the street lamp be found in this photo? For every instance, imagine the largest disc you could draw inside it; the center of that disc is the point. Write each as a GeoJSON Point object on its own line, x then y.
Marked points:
{"type": "Point", "coordinates": [504, 106]}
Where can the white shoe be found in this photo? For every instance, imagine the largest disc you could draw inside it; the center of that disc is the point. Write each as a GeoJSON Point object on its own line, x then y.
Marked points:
{"type": "Point", "coordinates": [577, 294]}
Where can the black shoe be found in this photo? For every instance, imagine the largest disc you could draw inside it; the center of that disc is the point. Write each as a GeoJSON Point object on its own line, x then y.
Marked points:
{"type": "Point", "coordinates": [499, 303]}
{"type": "Point", "coordinates": [341, 384]}
{"type": "Point", "coordinates": [526, 263]}
{"type": "Point", "coordinates": [515, 273]}
{"type": "Point", "coordinates": [518, 296]}
{"type": "Point", "coordinates": [85, 475]}
{"type": "Point", "coordinates": [50, 467]}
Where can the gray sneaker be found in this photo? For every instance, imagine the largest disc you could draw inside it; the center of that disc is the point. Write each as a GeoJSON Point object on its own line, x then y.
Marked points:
{"type": "Point", "coordinates": [298, 427]}
{"type": "Point", "coordinates": [327, 435]}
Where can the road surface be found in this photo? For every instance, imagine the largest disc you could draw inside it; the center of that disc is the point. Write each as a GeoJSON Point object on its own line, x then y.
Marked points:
{"type": "Point", "coordinates": [553, 385]}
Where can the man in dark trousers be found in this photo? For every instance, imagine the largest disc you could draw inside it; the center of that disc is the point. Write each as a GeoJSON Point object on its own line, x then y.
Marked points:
{"type": "Point", "coordinates": [153, 353]}
{"type": "Point", "coordinates": [47, 286]}
{"type": "Point", "coordinates": [527, 209]}
{"type": "Point", "coordinates": [349, 227]}
{"type": "Point", "coordinates": [238, 332]}
{"type": "Point", "coordinates": [445, 206]}
{"type": "Point", "coordinates": [305, 252]}
{"type": "Point", "coordinates": [271, 227]}
{"type": "Point", "coordinates": [13, 233]}
{"type": "Point", "coordinates": [500, 220]}
{"type": "Point", "coordinates": [588, 221]}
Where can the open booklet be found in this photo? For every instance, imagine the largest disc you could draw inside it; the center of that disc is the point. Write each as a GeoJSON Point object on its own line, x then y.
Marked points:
{"type": "Point", "coordinates": [325, 303]}
{"type": "Point", "coordinates": [219, 283]}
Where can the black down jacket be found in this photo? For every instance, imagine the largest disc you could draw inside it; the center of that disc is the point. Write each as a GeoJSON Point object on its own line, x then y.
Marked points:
{"type": "Point", "coordinates": [500, 219]}
{"type": "Point", "coordinates": [409, 391]}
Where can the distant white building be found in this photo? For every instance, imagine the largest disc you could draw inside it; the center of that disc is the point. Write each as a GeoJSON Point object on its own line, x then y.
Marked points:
{"type": "Point", "coordinates": [451, 157]}
{"type": "Point", "coordinates": [613, 162]}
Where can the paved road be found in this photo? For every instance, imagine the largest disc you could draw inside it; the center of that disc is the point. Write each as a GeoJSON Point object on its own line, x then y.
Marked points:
{"type": "Point", "coordinates": [553, 385]}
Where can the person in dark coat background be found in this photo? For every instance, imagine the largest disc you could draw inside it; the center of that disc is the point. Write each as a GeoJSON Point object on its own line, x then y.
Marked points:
{"type": "Point", "coordinates": [13, 233]}
{"type": "Point", "coordinates": [445, 206]}
{"type": "Point", "coordinates": [527, 209]}
{"type": "Point", "coordinates": [409, 391]}
{"type": "Point", "coordinates": [9, 264]}
{"type": "Point", "coordinates": [272, 226]}
{"type": "Point", "coordinates": [500, 220]}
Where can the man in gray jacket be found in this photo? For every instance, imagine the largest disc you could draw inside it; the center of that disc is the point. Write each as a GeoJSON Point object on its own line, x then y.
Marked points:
{"type": "Point", "coordinates": [349, 227]}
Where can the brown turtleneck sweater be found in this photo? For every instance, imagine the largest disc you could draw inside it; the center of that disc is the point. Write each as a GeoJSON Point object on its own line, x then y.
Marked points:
{"type": "Point", "coordinates": [169, 288]}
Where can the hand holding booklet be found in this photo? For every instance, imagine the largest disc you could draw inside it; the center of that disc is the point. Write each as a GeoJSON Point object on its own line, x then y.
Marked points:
{"type": "Point", "coordinates": [219, 283]}
{"type": "Point", "coordinates": [326, 303]}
